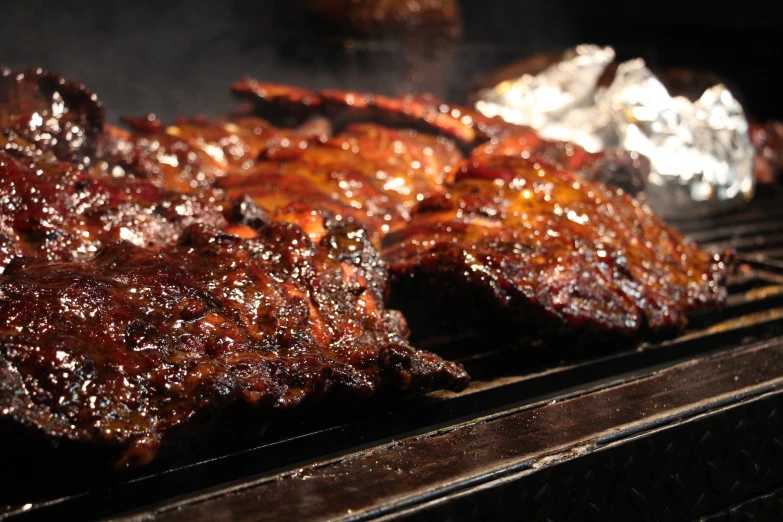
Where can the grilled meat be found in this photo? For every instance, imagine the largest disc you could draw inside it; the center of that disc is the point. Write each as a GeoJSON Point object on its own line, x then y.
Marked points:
{"type": "Point", "coordinates": [767, 140]}
{"type": "Point", "coordinates": [623, 169]}
{"type": "Point", "coordinates": [194, 153]}
{"type": "Point", "coordinates": [471, 129]}
{"type": "Point", "coordinates": [422, 112]}
{"type": "Point", "coordinates": [339, 177]}
{"type": "Point", "coordinates": [536, 249]}
{"type": "Point", "coordinates": [59, 211]}
{"type": "Point", "coordinates": [366, 174]}
{"type": "Point", "coordinates": [139, 349]}
{"type": "Point", "coordinates": [152, 315]}
{"type": "Point", "coordinates": [41, 113]}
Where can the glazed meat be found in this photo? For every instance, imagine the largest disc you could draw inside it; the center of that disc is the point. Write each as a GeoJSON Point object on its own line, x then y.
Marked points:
{"type": "Point", "coordinates": [183, 270]}
{"type": "Point", "coordinates": [522, 247]}
{"type": "Point", "coordinates": [138, 350]}
{"type": "Point", "coordinates": [623, 169]}
{"type": "Point", "coordinates": [194, 153]}
{"type": "Point", "coordinates": [367, 174]}
{"type": "Point", "coordinates": [161, 301]}
{"type": "Point", "coordinates": [421, 112]}
{"type": "Point", "coordinates": [41, 113]}
{"type": "Point", "coordinates": [59, 211]}
{"type": "Point", "coordinates": [767, 140]}
{"type": "Point", "coordinates": [471, 129]}
{"type": "Point", "coordinates": [59, 201]}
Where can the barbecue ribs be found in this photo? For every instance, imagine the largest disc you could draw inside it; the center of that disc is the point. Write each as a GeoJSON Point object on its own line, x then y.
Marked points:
{"type": "Point", "coordinates": [43, 114]}
{"type": "Point", "coordinates": [367, 174]}
{"type": "Point", "coordinates": [194, 153]}
{"type": "Point", "coordinates": [137, 347]}
{"type": "Point", "coordinates": [359, 175]}
{"type": "Point", "coordinates": [524, 248]}
{"type": "Point", "coordinates": [182, 270]}
{"type": "Point", "coordinates": [159, 300]}
{"type": "Point", "coordinates": [58, 211]}
{"type": "Point", "coordinates": [650, 279]}
{"type": "Point", "coordinates": [467, 127]}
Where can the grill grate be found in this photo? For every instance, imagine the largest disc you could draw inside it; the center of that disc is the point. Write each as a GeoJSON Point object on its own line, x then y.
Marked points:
{"type": "Point", "coordinates": [753, 312]}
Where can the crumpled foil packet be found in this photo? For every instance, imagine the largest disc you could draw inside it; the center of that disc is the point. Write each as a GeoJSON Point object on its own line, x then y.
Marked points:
{"type": "Point", "coordinates": [700, 152]}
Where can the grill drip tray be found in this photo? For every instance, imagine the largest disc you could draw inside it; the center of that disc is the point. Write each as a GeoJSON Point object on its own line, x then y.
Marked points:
{"type": "Point", "coordinates": [679, 429]}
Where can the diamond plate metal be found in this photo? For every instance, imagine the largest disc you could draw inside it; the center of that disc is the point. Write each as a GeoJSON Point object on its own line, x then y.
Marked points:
{"type": "Point", "coordinates": [692, 470]}
{"type": "Point", "coordinates": [768, 506]}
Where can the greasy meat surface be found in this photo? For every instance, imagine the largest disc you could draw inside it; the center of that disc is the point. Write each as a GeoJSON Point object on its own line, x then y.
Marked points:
{"type": "Point", "coordinates": [41, 113]}
{"type": "Point", "coordinates": [139, 349]}
{"type": "Point", "coordinates": [152, 313]}
{"type": "Point", "coordinates": [421, 111]}
{"type": "Point", "coordinates": [427, 161]}
{"type": "Point", "coordinates": [532, 248]}
{"type": "Point", "coordinates": [60, 211]}
{"type": "Point", "coordinates": [624, 169]}
{"type": "Point", "coordinates": [367, 174]}
{"type": "Point", "coordinates": [194, 153]}
{"type": "Point", "coordinates": [767, 140]}
{"type": "Point", "coordinates": [180, 270]}
{"type": "Point", "coordinates": [466, 126]}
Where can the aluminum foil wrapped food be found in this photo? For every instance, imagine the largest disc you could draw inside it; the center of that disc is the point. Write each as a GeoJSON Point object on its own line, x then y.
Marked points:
{"type": "Point", "coordinates": [700, 151]}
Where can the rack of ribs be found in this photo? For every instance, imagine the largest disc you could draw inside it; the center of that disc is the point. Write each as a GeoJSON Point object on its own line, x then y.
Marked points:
{"type": "Point", "coordinates": [181, 270]}
{"type": "Point", "coordinates": [650, 282]}
{"type": "Point", "coordinates": [161, 300]}
{"type": "Point", "coordinates": [535, 249]}
{"type": "Point", "coordinates": [139, 350]}
{"type": "Point", "coordinates": [468, 128]}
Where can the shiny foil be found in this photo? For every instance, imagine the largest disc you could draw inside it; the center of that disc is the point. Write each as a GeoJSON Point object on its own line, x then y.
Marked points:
{"type": "Point", "coordinates": [700, 152]}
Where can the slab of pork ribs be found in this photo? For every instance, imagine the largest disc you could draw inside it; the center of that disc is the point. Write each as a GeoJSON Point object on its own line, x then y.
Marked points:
{"type": "Point", "coordinates": [483, 222]}
{"type": "Point", "coordinates": [138, 301]}
{"type": "Point", "coordinates": [524, 235]}
{"type": "Point", "coordinates": [180, 269]}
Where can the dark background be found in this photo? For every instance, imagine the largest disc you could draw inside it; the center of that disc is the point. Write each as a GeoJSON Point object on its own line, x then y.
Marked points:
{"type": "Point", "coordinates": [178, 58]}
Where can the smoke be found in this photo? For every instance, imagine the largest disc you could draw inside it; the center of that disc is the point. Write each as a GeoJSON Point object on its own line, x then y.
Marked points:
{"type": "Point", "coordinates": [178, 58]}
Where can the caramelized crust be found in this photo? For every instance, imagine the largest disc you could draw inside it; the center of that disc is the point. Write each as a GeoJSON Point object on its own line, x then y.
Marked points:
{"type": "Point", "coordinates": [767, 140]}
{"type": "Point", "coordinates": [546, 250]}
{"type": "Point", "coordinates": [139, 349]}
{"type": "Point", "coordinates": [624, 169]}
{"type": "Point", "coordinates": [159, 301]}
{"type": "Point", "coordinates": [41, 113]}
{"type": "Point", "coordinates": [468, 127]}
{"type": "Point", "coordinates": [367, 174]}
{"type": "Point", "coordinates": [180, 270]}
{"type": "Point", "coordinates": [420, 111]}
{"type": "Point", "coordinates": [59, 211]}
{"type": "Point", "coordinates": [195, 153]}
